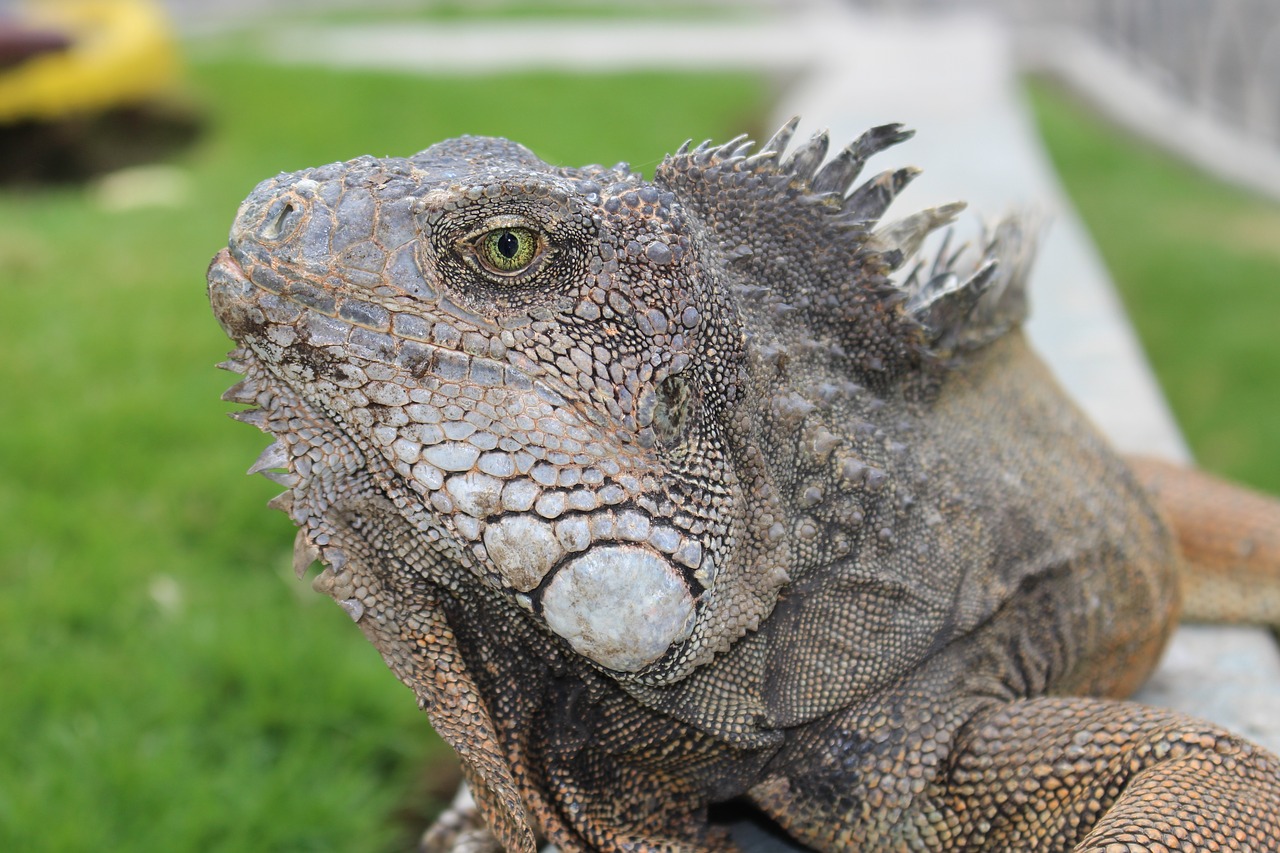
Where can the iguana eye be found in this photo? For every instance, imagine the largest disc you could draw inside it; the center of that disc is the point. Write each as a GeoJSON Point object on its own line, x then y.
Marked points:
{"type": "Point", "coordinates": [507, 251]}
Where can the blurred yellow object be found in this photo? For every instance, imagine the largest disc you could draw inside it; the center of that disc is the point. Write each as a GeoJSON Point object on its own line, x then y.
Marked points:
{"type": "Point", "coordinates": [121, 53]}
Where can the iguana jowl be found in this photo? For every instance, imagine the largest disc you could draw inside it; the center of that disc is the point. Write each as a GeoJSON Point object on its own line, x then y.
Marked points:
{"type": "Point", "coordinates": [659, 494]}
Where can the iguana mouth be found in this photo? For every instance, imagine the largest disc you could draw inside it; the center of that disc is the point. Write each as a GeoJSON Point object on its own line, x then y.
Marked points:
{"type": "Point", "coordinates": [315, 462]}
{"type": "Point", "coordinates": [229, 289]}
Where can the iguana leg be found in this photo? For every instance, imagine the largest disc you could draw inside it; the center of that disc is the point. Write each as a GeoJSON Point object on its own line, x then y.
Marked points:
{"type": "Point", "coordinates": [1047, 774]}
{"type": "Point", "coordinates": [1086, 775]}
{"type": "Point", "coordinates": [1230, 540]}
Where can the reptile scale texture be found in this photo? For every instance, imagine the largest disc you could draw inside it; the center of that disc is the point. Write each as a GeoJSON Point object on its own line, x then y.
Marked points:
{"type": "Point", "coordinates": [665, 494]}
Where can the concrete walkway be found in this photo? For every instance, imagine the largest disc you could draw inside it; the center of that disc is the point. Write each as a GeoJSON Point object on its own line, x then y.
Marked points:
{"type": "Point", "coordinates": [952, 78]}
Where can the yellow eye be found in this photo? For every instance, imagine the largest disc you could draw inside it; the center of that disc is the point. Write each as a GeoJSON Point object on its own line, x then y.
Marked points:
{"type": "Point", "coordinates": [507, 250]}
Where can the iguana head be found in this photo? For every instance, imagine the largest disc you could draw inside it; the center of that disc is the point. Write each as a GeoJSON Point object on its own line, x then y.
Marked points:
{"type": "Point", "coordinates": [562, 379]}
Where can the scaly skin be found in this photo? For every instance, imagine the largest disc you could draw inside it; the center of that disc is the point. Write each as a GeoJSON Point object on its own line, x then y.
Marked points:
{"type": "Point", "coordinates": [661, 494]}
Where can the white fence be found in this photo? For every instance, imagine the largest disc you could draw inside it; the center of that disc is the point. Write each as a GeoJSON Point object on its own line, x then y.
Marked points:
{"type": "Point", "coordinates": [1200, 77]}
{"type": "Point", "coordinates": [1221, 57]}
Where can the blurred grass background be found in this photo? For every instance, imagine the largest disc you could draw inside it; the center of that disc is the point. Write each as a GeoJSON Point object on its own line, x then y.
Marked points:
{"type": "Point", "coordinates": [166, 683]}
{"type": "Point", "coordinates": [1197, 264]}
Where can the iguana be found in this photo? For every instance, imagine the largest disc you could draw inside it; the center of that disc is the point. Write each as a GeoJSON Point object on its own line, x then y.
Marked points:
{"type": "Point", "coordinates": [664, 494]}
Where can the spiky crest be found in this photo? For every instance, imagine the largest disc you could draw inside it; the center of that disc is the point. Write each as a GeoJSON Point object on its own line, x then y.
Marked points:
{"type": "Point", "coordinates": [810, 211]}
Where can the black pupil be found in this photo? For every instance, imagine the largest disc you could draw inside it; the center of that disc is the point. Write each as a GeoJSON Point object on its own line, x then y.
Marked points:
{"type": "Point", "coordinates": [508, 245]}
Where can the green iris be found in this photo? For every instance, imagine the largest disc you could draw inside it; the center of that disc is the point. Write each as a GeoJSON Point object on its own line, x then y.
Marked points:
{"type": "Point", "coordinates": [507, 250]}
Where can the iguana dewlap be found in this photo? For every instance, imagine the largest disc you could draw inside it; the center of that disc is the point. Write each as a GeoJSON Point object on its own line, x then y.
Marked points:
{"type": "Point", "coordinates": [661, 494]}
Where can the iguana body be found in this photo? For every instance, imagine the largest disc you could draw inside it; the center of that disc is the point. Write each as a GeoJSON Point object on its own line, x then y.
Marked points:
{"type": "Point", "coordinates": [661, 494]}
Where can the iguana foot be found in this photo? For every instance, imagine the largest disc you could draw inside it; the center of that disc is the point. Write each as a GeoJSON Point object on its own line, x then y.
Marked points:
{"type": "Point", "coordinates": [459, 829]}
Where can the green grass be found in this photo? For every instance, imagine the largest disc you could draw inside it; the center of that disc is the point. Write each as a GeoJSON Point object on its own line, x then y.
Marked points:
{"type": "Point", "coordinates": [513, 10]}
{"type": "Point", "coordinates": [166, 683]}
{"type": "Point", "coordinates": [1197, 263]}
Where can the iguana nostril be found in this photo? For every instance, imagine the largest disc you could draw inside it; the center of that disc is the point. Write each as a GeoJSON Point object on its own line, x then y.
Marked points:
{"type": "Point", "coordinates": [282, 220]}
